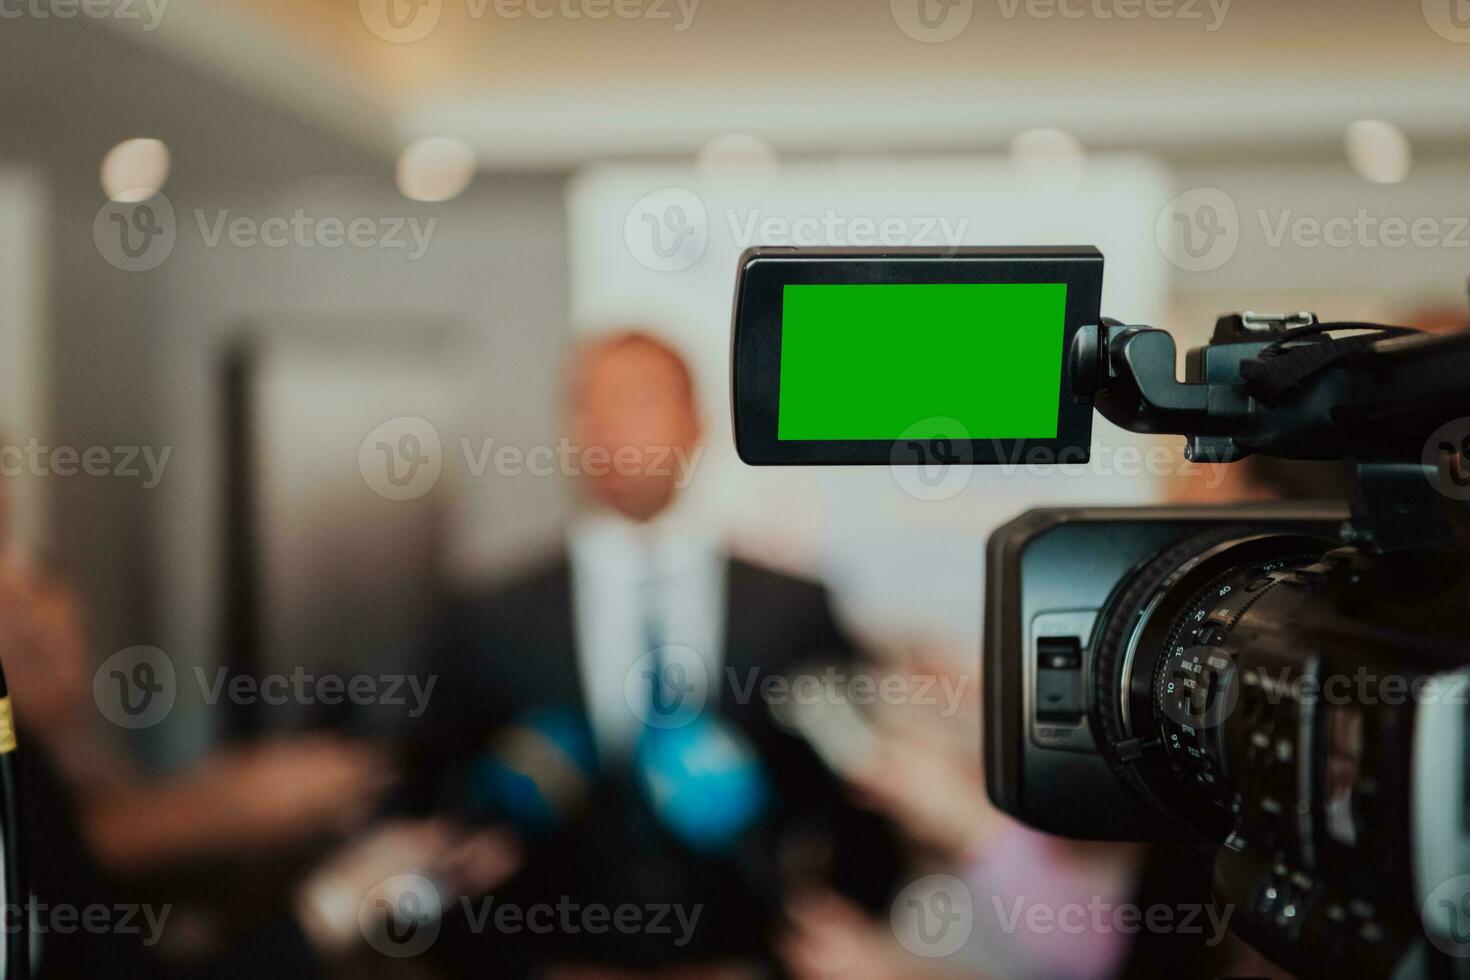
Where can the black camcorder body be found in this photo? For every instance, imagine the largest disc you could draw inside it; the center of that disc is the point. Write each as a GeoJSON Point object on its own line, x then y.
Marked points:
{"type": "Point", "coordinates": [1237, 677]}
{"type": "Point", "coordinates": [1283, 683]}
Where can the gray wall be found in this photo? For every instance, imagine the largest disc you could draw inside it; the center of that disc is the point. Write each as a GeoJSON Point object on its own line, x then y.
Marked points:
{"type": "Point", "coordinates": [24, 378]}
{"type": "Point", "coordinates": [493, 278]}
{"type": "Point", "coordinates": [132, 359]}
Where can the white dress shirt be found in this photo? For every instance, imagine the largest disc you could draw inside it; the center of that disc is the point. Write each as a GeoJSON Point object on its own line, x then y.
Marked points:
{"type": "Point", "coordinates": [633, 586]}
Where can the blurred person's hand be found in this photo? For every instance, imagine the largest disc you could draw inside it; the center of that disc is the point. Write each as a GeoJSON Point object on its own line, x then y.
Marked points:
{"type": "Point", "coordinates": [830, 937]}
{"type": "Point", "coordinates": [924, 782]}
{"type": "Point", "coordinates": [703, 971]}
{"type": "Point", "coordinates": [293, 787]}
{"type": "Point", "coordinates": [43, 649]}
{"type": "Point", "coordinates": [378, 870]}
{"type": "Point", "coordinates": [241, 801]}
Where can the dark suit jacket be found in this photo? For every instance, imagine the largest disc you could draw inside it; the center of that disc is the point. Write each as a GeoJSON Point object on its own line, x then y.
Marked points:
{"type": "Point", "coordinates": [501, 655]}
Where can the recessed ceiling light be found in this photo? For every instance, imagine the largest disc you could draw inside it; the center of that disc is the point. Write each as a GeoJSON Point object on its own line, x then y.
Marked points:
{"type": "Point", "coordinates": [134, 170]}
{"type": "Point", "coordinates": [1378, 150]}
{"type": "Point", "coordinates": [737, 157]}
{"type": "Point", "coordinates": [1050, 157]}
{"type": "Point", "coordinates": [436, 168]}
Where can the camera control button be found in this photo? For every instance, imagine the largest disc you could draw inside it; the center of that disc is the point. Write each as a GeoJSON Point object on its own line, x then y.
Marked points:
{"type": "Point", "coordinates": [1059, 679]}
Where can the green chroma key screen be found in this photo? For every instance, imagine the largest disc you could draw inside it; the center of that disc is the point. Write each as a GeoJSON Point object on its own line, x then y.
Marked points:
{"type": "Point", "coordinates": [870, 361]}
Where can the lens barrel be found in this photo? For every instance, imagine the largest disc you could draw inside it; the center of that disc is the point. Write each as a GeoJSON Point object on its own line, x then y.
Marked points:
{"type": "Point", "coordinates": [1167, 671]}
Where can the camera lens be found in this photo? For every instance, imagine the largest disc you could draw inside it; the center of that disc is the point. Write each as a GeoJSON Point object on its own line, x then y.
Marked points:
{"type": "Point", "coordinates": [1167, 672]}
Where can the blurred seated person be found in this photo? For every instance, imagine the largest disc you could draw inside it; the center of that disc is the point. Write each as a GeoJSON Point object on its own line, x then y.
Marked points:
{"type": "Point", "coordinates": [333, 914]}
{"type": "Point", "coordinates": [238, 802]}
{"type": "Point", "coordinates": [88, 817]}
{"type": "Point", "coordinates": [639, 606]}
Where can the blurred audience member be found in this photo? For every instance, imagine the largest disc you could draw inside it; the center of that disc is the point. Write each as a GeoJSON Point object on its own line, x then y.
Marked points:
{"type": "Point", "coordinates": [88, 816]}
{"type": "Point", "coordinates": [931, 784]}
{"type": "Point", "coordinates": [334, 912]}
{"type": "Point", "coordinates": [1438, 319]}
{"type": "Point", "coordinates": [238, 802]}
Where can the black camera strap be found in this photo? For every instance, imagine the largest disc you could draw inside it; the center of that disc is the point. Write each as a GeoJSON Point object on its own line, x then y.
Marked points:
{"type": "Point", "coordinates": [1285, 364]}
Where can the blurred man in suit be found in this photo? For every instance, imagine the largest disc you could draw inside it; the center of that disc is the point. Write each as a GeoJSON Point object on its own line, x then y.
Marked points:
{"type": "Point", "coordinates": [642, 621]}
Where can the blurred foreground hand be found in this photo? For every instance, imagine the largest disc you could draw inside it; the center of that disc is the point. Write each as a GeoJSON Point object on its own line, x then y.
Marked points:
{"type": "Point", "coordinates": [829, 938]}
{"type": "Point", "coordinates": [291, 788]}
{"type": "Point", "coordinates": [240, 801]}
{"type": "Point", "coordinates": [235, 803]}
{"type": "Point", "coordinates": [933, 789]}
{"type": "Point", "coordinates": [358, 888]}
{"type": "Point", "coordinates": [43, 648]}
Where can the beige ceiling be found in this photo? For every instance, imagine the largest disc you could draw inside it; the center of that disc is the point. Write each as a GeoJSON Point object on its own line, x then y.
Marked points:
{"type": "Point", "coordinates": [821, 74]}
{"type": "Point", "coordinates": [735, 40]}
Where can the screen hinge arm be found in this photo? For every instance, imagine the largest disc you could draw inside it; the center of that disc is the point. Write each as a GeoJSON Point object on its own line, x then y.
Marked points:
{"type": "Point", "coordinates": [1130, 372]}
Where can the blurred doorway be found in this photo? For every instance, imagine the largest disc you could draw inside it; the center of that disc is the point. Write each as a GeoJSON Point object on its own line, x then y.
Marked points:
{"type": "Point", "coordinates": [334, 513]}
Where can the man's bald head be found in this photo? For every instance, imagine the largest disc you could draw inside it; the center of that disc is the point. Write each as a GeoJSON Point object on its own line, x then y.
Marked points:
{"type": "Point", "coordinates": [634, 417]}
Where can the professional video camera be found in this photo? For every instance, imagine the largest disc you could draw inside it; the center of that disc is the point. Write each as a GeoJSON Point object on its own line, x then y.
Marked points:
{"type": "Point", "coordinates": [1282, 682]}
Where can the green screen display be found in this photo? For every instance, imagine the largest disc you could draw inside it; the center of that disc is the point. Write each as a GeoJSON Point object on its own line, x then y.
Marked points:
{"type": "Point", "coordinates": [874, 361]}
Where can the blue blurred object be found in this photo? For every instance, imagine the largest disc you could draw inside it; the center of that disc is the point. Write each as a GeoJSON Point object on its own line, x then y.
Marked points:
{"type": "Point", "coordinates": [705, 782]}
{"type": "Point", "coordinates": [535, 773]}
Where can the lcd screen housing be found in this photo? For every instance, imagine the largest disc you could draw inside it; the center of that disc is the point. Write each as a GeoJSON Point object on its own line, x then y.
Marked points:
{"type": "Point", "coordinates": [891, 356]}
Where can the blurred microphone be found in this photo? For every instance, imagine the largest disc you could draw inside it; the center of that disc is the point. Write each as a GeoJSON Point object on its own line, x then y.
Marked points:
{"type": "Point", "coordinates": [705, 782]}
{"type": "Point", "coordinates": [535, 773]}
{"type": "Point", "coordinates": [708, 788]}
